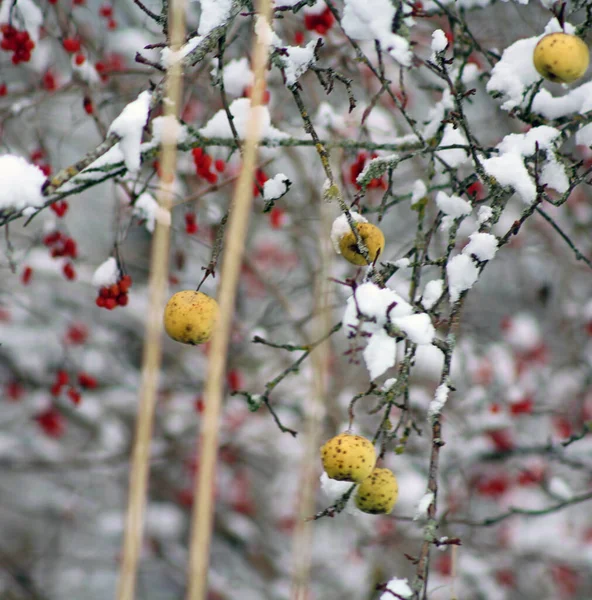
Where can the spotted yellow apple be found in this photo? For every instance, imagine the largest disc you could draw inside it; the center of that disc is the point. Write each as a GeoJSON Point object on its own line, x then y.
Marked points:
{"type": "Point", "coordinates": [561, 57]}
{"type": "Point", "coordinates": [348, 457]}
{"type": "Point", "coordinates": [371, 235]}
{"type": "Point", "coordinates": [378, 493]}
{"type": "Point", "coordinates": [190, 317]}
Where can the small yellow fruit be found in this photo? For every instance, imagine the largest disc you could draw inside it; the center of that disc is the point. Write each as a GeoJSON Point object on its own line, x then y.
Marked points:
{"type": "Point", "coordinates": [378, 493]}
{"type": "Point", "coordinates": [371, 235]}
{"type": "Point", "coordinates": [561, 57]}
{"type": "Point", "coordinates": [348, 457]}
{"type": "Point", "coordinates": [190, 317]}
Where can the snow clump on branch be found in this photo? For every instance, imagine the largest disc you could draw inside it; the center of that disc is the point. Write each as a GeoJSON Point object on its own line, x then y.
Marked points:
{"type": "Point", "coordinates": [380, 314]}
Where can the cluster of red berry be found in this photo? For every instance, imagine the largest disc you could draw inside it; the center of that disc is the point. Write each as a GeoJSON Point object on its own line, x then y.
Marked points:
{"type": "Point", "coordinates": [190, 223]}
{"type": "Point", "coordinates": [260, 179]}
{"type": "Point", "coordinates": [49, 81]}
{"type": "Point", "coordinates": [37, 159]}
{"type": "Point", "coordinates": [358, 167]}
{"type": "Point", "coordinates": [60, 207]}
{"type": "Point", "coordinates": [88, 106]}
{"type": "Point", "coordinates": [62, 379]}
{"type": "Point", "coordinates": [321, 23]}
{"type": "Point", "coordinates": [112, 62]}
{"type": "Point", "coordinates": [71, 45]}
{"type": "Point", "coordinates": [17, 42]}
{"type": "Point", "coordinates": [106, 11]}
{"type": "Point", "coordinates": [51, 421]}
{"type": "Point", "coordinates": [277, 217]}
{"type": "Point", "coordinates": [62, 246]}
{"type": "Point", "coordinates": [114, 295]}
{"type": "Point", "coordinates": [203, 165]}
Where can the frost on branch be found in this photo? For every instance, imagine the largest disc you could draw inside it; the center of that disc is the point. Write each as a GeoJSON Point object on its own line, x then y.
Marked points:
{"type": "Point", "coordinates": [423, 505]}
{"type": "Point", "coordinates": [379, 314]}
{"type": "Point", "coordinates": [129, 126]}
{"type": "Point", "coordinates": [438, 402]}
{"type": "Point", "coordinates": [106, 274]}
{"type": "Point", "coordinates": [237, 76]}
{"type": "Point", "coordinates": [241, 110]}
{"type": "Point", "coordinates": [462, 274]}
{"type": "Point", "coordinates": [147, 209]}
{"type": "Point", "coordinates": [276, 187]}
{"type": "Point", "coordinates": [296, 61]}
{"type": "Point", "coordinates": [213, 14]}
{"type": "Point", "coordinates": [397, 586]}
{"type": "Point", "coordinates": [372, 20]}
{"type": "Point", "coordinates": [509, 169]}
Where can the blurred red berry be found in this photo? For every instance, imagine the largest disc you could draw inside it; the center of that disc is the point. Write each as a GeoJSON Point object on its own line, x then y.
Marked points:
{"type": "Point", "coordinates": [86, 381]}
{"type": "Point", "coordinates": [51, 422]}
{"type": "Point", "coordinates": [26, 275]}
{"type": "Point", "coordinates": [321, 23]}
{"type": "Point", "coordinates": [74, 395]}
{"type": "Point", "coordinates": [71, 45]}
{"type": "Point", "coordinates": [14, 391]}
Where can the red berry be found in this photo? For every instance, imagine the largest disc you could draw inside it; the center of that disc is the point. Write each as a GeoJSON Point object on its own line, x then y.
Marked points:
{"type": "Point", "coordinates": [62, 377]}
{"type": "Point", "coordinates": [112, 24]}
{"type": "Point", "coordinates": [199, 405]}
{"type": "Point", "coordinates": [77, 334]}
{"type": "Point", "coordinates": [71, 45]}
{"type": "Point", "coordinates": [79, 58]}
{"type": "Point", "coordinates": [60, 207]}
{"type": "Point", "coordinates": [86, 381]}
{"type": "Point", "coordinates": [14, 391]}
{"type": "Point", "coordinates": [219, 165]}
{"type": "Point", "coordinates": [74, 396]}
{"type": "Point", "coordinates": [52, 238]}
{"type": "Point", "coordinates": [106, 11]}
{"type": "Point", "coordinates": [70, 248]}
{"type": "Point", "coordinates": [234, 379]}
{"type": "Point", "coordinates": [69, 271]}
{"type": "Point", "coordinates": [3, 89]}
{"type": "Point", "coordinates": [298, 38]}
{"type": "Point", "coordinates": [114, 290]}
{"type": "Point", "coordinates": [52, 422]}
{"type": "Point", "coordinates": [110, 303]}
{"type": "Point", "coordinates": [523, 407]}
{"type": "Point", "coordinates": [276, 217]}
{"type": "Point", "coordinates": [122, 299]}
{"type": "Point", "coordinates": [26, 275]}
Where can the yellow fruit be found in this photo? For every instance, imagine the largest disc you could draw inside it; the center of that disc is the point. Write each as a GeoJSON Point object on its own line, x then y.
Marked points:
{"type": "Point", "coordinates": [348, 457]}
{"type": "Point", "coordinates": [561, 57]}
{"type": "Point", "coordinates": [378, 493]}
{"type": "Point", "coordinates": [190, 317]}
{"type": "Point", "coordinates": [372, 237]}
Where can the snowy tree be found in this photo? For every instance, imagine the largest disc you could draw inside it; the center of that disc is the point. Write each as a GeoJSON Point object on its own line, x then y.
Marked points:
{"type": "Point", "coordinates": [416, 206]}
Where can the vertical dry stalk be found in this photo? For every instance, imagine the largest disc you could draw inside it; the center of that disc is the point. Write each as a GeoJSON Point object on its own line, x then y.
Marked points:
{"type": "Point", "coordinates": [151, 358]}
{"type": "Point", "coordinates": [302, 542]}
{"type": "Point", "coordinates": [202, 518]}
